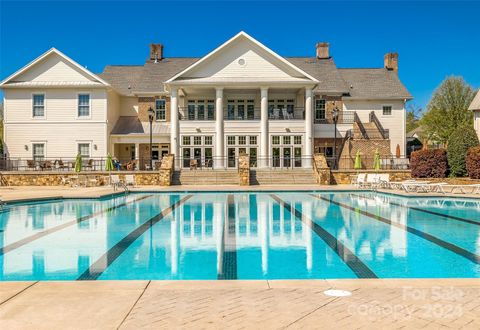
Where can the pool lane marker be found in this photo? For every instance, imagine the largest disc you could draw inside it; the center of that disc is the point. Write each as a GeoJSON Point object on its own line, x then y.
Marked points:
{"type": "Point", "coordinates": [34, 237]}
{"type": "Point", "coordinates": [433, 239]}
{"type": "Point", "coordinates": [102, 263]}
{"type": "Point", "coordinates": [451, 217]}
{"type": "Point", "coordinates": [229, 244]}
{"type": "Point", "coordinates": [349, 258]}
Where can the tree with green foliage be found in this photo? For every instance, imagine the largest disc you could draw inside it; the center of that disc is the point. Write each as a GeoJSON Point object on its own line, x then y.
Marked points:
{"type": "Point", "coordinates": [448, 109]}
{"type": "Point", "coordinates": [462, 139]}
{"type": "Point", "coordinates": [413, 117]}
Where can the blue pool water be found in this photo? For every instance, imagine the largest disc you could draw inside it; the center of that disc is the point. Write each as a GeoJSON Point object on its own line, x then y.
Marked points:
{"type": "Point", "coordinates": [274, 235]}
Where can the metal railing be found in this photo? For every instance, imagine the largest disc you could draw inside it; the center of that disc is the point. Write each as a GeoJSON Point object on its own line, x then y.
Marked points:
{"type": "Point", "coordinates": [374, 119]}
{"type": "Point", "coordinates": [196, 113]}
{"type": "Point", "coordinates": [344, 117]}
{"type": "Point", "coordinates": [296, 113]}
{"type": "Point", "coordinates": [386, 163]}
{"type": "Point", "coordinates": [67, 164]}
{"type": "Point", "coordinates": [247, 113]}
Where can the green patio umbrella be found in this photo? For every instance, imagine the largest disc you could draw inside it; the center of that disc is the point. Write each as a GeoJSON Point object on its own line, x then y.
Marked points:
{"type": "Point", "coordinates": [358, 162]}
{"type": "Point", "coordinates": [109, 164]}
{"type": "Point", "coordinates": [78, 163]}
{"type": "Point", "coordinates": [376, 161]}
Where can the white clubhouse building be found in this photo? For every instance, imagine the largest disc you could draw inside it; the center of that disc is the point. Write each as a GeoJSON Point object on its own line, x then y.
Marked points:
{"type": "Point", "coordinates": [241, 97]}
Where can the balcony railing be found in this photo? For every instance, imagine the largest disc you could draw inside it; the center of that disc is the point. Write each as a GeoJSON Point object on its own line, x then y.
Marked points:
{"type": "Point", "coordinates": [248, 113]}
{"type": "Point", "coordinates": [195, 112]}
{"type": "Point", "coordinates": [288, 113]}
{"type": "Point", "coordinates": [344, 117]}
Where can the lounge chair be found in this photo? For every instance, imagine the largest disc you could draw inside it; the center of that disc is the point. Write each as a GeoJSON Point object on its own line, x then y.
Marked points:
{"type": "Point", "coordinates": [31, 164]}
{"type": "Point", "coordinates": [372, 180]}
{"type": "Point", "coordinates": [130, 180]}
{"type": "Point", "coordinates": [475, 188]}
{"type": "Point", "coordinates": [359, 180]}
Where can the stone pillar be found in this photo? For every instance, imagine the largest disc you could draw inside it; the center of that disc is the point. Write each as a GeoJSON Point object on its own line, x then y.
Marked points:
{"type": "Point", "coordinates": [264, 145]}
{"type": "Point", "coordinates": [308, 128]}
{"type": "Point", "coordinates": [174, 135]}
{"type": "Point", "coordinates": [218, 160]}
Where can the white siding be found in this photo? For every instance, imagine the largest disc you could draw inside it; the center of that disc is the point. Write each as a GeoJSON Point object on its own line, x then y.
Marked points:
{"type": "Point", "coordinates": [60, 104]}
{"type": "Point", "coordinates": [395, 122]}
{"type": "Point", "coordinates": [53, 68]}
{"type": "Point", "coordinates": [60, 139]}
{"type": "Point", "coordinates": [476, 122]}
{"type": "Point", "coordinates": [61, 129]}
{"type": "Point", "coordinates": [258, 63]}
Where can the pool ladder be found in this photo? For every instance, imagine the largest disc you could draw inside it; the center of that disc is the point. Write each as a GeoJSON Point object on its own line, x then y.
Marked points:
{"type": "Point", "coordinates": [122, 185]}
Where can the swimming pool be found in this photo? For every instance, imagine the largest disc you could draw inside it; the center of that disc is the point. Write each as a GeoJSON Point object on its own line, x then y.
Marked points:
{"type": "Point", "coordinates": [241, 235]}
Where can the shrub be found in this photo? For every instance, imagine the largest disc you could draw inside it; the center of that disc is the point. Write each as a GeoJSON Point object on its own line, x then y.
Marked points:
{"type": "Point", "coordinates": [473, 162]}
{"type": "Point", "coordinates": [462, 139]}
{"type": "Point", "coordinates": [429, 163]}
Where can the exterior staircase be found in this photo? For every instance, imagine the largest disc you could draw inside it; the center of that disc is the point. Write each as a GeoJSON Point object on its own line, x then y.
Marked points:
{"type": "Point", "coordinates": [205, 177]}
{"type": "Point", "coordinates": [279, 176]}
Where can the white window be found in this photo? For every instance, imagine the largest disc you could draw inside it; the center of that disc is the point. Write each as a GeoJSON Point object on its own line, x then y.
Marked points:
{"type": "Point", "coordinates": [242, 140]}
{"type": "Point", "coordinates": [230, 140]}
{"type": "Point", "coordinates": [208, 140]}
{"type": "Point", "coordinates": [387, 110]}
{"type": "Point", "coordinates": [275, 139]}
{"type": "Point", "coordinates": [38, 150]}
{"type": "Point", "coordinates": [297, 139]}
{"type": "Point", "coordinates": [253, 139]}
{"type": "Point", "coordinates": [83, 105]}
{"type": "Point", "coordinates": [160, 112]}
{"type": "Point", "coordinates": [84, 150]}
{"type": "Point", "coordinates": [186, 140]}
{"type": "Point", "coordinates": [38, 105]}
{"type": "Point", "coordinates": [197, 140]}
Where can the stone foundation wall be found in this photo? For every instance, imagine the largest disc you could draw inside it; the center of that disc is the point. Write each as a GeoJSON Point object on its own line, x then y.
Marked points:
{"type": "Point", "coordinates": [166, 170]}
{"type": "Point", "coordinates": [345, 177]}
{"type": "Point", "coordinates": [55, 178]}
{"type": "Point", "coordinates": [321, 169]}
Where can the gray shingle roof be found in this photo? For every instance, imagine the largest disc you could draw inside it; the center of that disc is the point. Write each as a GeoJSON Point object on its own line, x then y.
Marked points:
{"type": "Point", "coordinates": [374, 84]}
{"type": "Point", "coordinates": [121, 77]}
{"type": "Point", "coordinates": [357, 83]}
{"type": "Point", "coordinates": [132, 125]}
{"type": "Point", "coordinates": [324, 70]}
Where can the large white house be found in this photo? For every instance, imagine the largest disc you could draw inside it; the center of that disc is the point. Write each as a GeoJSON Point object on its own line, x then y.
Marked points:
{"type": "Point", "coordinates": [241, 97]}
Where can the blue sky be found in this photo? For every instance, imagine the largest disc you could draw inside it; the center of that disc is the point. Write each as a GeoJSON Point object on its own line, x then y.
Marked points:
{"type": "Point", "coordinates": [433, 39]}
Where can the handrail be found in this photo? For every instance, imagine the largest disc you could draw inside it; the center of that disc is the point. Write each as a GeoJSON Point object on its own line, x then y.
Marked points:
{"type": "Point", "coordinates": [357, 120]}
{"type": "Point", "coordinates": [373, 118]}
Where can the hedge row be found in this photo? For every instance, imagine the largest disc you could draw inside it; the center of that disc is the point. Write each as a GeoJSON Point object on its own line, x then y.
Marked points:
{"type": "Point", "coordinates": [473, 162]}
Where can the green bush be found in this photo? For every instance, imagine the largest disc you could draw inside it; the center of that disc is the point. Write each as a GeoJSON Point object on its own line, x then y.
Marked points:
{"type": "Point", "coordinates": [473, 162]}
{"type": "Point", "coordinates": [462, 139]}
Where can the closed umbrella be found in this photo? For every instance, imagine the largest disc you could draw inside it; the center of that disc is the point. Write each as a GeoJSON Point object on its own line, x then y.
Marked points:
{"type": "Point", "coordinates": [109, 164]}
{"type": "Point", "coordinates": [358, 161]}
{"type": "Point", "coordinates": [397, 151]}
{"type": "Point", "coordinates": [376, 161]}
{"type": "Point", "coordinates": [78, 163]}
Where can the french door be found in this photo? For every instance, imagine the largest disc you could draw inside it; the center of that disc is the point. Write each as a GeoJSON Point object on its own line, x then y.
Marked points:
{"type": "Point", "coordinates": [286, 157]}
{"type": "Point", "coordinates": [201, 156]}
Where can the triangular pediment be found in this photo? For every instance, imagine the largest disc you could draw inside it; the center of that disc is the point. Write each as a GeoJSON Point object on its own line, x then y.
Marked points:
{"type": "Point", "coordinates": [242, 57]}
{"type": "Point", "coordinates": [53, 67]}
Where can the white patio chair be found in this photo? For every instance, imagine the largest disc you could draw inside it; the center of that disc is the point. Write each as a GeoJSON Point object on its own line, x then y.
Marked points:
{"type": "Point", "coordinates": [130, 180]}
{"type": "Point", "coordinates": [384, 180]}
{"type": "Point", "coordinates": [371, 181]}
{"type": "Point", "coordinates": [359, 180]}
{"type": "Point", "coordinates": [115, 181]}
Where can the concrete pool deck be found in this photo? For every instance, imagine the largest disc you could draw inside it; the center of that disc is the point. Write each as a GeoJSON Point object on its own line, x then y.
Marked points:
{"type": "Point", "coordinates": [278, 304]}
{"type": "Point", "coordinates": [26, 193]}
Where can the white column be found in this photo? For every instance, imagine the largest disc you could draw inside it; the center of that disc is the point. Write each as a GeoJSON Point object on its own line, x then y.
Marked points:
{"type": "Point", "coordinates": [137, 155]}
{"type": "Point", "coordinates": [219, 129]}
{"type": "Point", "coordinates": [263, 128]}
{"type": "Point", "coordinates": [174, 135]}
{"type": "Point", "coordinates": [308, 128]}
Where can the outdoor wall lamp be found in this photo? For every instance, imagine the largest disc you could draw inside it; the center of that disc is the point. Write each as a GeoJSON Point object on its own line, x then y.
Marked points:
{"type": "Point", "coordinates": [95, 147]}
{"type": "Point", "coordinates": [151, 117]}
{"type": "Point", "coordinates": [26, 148]}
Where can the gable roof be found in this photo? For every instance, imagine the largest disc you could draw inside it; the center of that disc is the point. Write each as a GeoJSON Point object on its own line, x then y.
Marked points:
{"type": "Point", "coordinates": [238, 36]}
{"type": "Point", "coordinates": [475, 105]}
{"type": "Point", "coordinates": [10, 80]}
{"type": "Point", "coordinates": [374, 84]}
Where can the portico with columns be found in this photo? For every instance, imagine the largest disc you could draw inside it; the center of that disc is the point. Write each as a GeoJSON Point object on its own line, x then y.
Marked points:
{"type": "Point", "coordinates": [242, 98]}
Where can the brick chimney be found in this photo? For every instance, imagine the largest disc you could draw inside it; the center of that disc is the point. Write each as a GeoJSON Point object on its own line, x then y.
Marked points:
{"type": "Point", "coordinates": [156, 52]}
{"type": "Point", "coordinates": [391, 62]}
{"type": "Point", "coordinates": [322, 50]}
